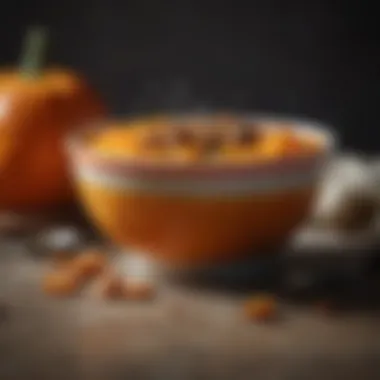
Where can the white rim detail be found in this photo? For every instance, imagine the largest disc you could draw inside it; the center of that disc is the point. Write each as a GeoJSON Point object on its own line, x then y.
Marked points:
{"type": "Point", "coordinates": [196, 187]}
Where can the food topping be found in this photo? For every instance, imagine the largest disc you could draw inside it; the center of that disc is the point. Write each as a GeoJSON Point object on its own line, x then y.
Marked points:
{"type": "Point", "coordinates": [139, 291]}
{"type": "Point", "coordinates": [261, 308]}
{"type": "Point", "coordinates": [193, 141]}
{"type": "Point", "coordinates": [183, 136]}
{"type": "Point", "coordinates": [112, 287]}
{"type": "Point", "coordinates": [89, 264]}
{"type": "Point", "coordinates": [61, 283]}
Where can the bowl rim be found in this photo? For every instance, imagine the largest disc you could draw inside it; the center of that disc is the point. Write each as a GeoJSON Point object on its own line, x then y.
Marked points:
{"type": "Point", "coordinates": [76, 147]}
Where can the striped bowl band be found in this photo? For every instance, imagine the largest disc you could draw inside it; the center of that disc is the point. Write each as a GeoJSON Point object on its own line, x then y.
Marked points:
{"type": "Point", "coordinates": [206, 180]}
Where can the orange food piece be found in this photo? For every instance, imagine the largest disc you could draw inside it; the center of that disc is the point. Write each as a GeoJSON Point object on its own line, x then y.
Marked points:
{"type": "Point", "coordinates": [185, 154]}
{"type": "Point", "coordinates": [62, 258]}
{"type": "Point", "coordinates": [61, 283]}
{"type": "Point", "coordinates": [284, 143]}
{"type": "Point", "coordinates": [89, 264]}
{"type": "Point", "coordinates": [275, 144]}
{"type": "Point", "coordinates": [139, 291]}
{"type": "Point", "coordinates": [62, 255]}
{"type": "Point", "coordinates": [184, 137]}
{"type": "Point", "coordinates": [112, 287]}
{"type": "Point", "coordinates": [121, 142]}
{"type": "Point", "coordinates": [261, 308]}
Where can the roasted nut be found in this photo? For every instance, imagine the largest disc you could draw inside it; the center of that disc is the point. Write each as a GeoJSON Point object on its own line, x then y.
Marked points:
{"type": "Point", "coordinates": [155, 140]}
{"type": "Point", "coordinates": [62, 258]}
{"type": "Point", "coordinates": [112, 287]}
{"type": "Point", "coordinates": [183, 136]}
{"type": "Point", "coordinates": [211, 143]}
{"type": "Point", "coordinates": [89, 264]}
{"type": "Point", "coordinates": [139, 291]}
{"type": "Point", "coordinates": [247, 134]}
{"type": "Point", "coordinates": [260, 308]}
{"type": "Point", "coordinates": [61, 283]}
{"type": "Point", "coordinates": [239, 136]}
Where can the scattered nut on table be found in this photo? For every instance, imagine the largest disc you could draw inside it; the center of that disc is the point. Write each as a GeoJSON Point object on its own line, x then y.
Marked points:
{"type": "Point", "coordinates": [139, 290]}
{"type": "Point", "coordinates": [89, 264]}
{"type": "Point", "coordinates": [61, 283]}
{"type": "Point", "coordinates": [111, 287]}
{"type": "Point", "coordinates": [260, 308]}
{"type": "Point", "coordinates": [62, 258]}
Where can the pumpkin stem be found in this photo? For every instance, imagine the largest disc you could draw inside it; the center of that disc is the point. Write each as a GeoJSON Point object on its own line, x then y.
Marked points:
{"type": "Point", "coordinates": [33, 53]}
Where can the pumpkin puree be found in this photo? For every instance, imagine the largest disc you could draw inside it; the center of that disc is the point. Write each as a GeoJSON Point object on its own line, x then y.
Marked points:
{"type": "Point", "coordinates": [218, 141]}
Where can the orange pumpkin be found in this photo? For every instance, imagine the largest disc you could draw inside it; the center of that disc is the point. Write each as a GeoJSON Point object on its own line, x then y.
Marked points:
{"type": "Point", "coordinates": [37, 109]}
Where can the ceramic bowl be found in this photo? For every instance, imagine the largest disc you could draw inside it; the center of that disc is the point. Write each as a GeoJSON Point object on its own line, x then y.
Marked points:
{"type": "Point", "coordinates": [198, 214]}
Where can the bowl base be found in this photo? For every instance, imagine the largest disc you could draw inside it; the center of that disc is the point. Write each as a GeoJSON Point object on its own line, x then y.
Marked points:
{"type": "Point", "coordinates": [258, 270]}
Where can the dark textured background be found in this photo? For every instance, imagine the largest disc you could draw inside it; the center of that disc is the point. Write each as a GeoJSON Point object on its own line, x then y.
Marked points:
{"type": "Point", "coordinates": [317, 58]}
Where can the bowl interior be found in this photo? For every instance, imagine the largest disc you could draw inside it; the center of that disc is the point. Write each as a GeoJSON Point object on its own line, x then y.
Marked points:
{"type": "Point", "coordinates": [306, 129]}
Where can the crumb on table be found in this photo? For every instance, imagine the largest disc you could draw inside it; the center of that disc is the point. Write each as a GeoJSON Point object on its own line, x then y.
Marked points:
{"type": "Point", "coordinates": [139, 291]}
{"type": "Point", "coordinates": [89, 264]}
{"type": "Point", "coordinates": [111, 286]}
{"type": "Point", "coordinates": [260, 308]}
{"type": "Point", "coordinates": [61, 283]}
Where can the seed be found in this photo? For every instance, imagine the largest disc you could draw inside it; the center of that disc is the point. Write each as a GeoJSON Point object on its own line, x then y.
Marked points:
{"type": "Point", "coordinates": [260, 308]}
{"type": "Point", "coordinates": [61, 283]}
{"type": "Point", "coordinates": [111, 287]}
{"type": "Point", "coordinates": [89, 264]}
{"type": "Point", "coordinates": [139, 291]}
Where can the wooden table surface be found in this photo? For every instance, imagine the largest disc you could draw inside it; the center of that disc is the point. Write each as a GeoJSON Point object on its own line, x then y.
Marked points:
{"type": "Point", "coordinates": [184, 334]}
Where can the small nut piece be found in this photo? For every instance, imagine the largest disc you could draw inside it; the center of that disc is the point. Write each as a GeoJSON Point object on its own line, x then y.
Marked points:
{"type": "Point", "coordinates": [139, 291]}
{"type": "Point", "coordinates": [89, 264]}
{"type": "Point", "coordinates": [183, 136]}
{"type": "Point", "coordinates": [61, 283]}
{"type": "Point", "coordinates": [246, 136]}
{"type": "Point", "coordinates": [154, 141]}
{"type": "Point", "coordinates": [112, 287]}
{"type": "Point", "coordinates": [211, 143]}
{"type": "Point", "coordinates": [242, 134]}
{"type": "Point", "coordinates": [261, 308]}
{"type": "Point", "coordinates": [62, 258]}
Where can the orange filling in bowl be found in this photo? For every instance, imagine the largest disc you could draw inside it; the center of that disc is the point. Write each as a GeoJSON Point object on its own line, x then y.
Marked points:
{"type": "Point", "coordinates": [204, 142]}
